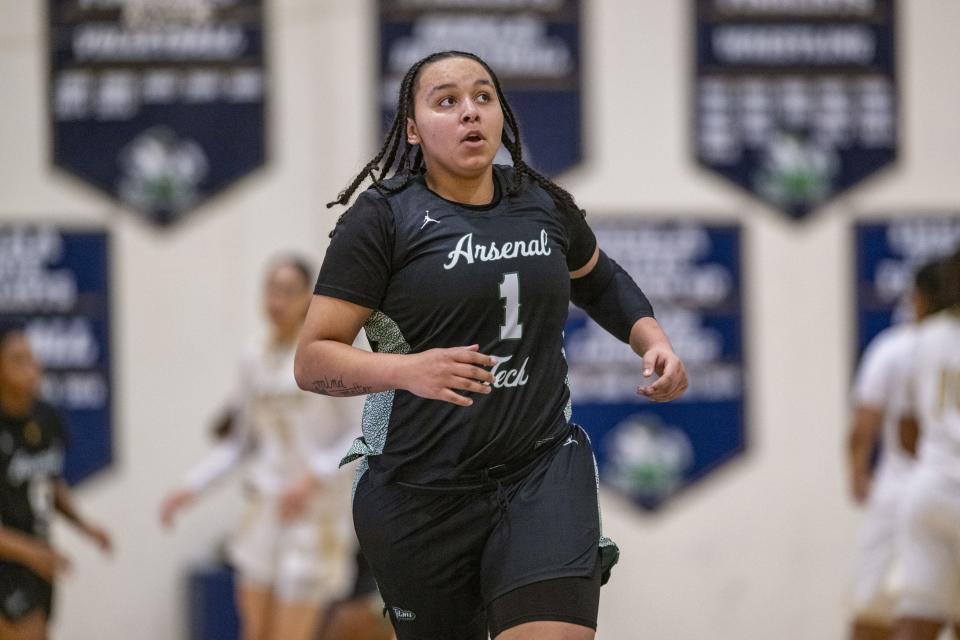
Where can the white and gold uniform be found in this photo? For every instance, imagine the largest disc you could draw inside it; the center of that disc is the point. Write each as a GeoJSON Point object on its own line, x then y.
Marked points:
{"type": "Point", "coordinates": [881, 385]}
{"type": "Point", "coordinates": [282, 433]}
{"type": "Point", "coordinates": [930, 542]}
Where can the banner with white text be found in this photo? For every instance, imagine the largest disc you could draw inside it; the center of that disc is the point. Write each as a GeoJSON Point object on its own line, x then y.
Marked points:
{"type": "Point", "coordinates": [532, 45]}
{"type": "Point", "coordinates": [888, 253]}
{"type": "Point", "coordinates": [692, 274]}
{"type": "Point", "coordinates": [795, 100]}
{"type": "Point", "coordinates": [160, 105]}
{"type": "Point", "coordinates": [56, 282]}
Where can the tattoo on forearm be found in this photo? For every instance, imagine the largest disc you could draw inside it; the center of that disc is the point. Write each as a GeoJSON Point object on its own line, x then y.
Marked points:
{"type": "Point", "coordinates": [336, 388]}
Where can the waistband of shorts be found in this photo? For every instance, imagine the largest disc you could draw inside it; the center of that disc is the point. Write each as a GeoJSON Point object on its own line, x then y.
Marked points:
{"type": "Point", "coordinates": [490, 478]}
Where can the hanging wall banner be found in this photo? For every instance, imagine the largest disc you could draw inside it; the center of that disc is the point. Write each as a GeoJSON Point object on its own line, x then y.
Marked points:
{"type": "Point", "coordinates": [889, 252]}
{"type": "Point", "coordinates": [532, 45]}
{"type": "Point", "coordinates": [56, 282]}
{"type": "Point", "coordinates": [158, 104]}
{"type": "Point", "coordinates": [795, 100]}
{"type": "Point", "coordinates": [650, 451]}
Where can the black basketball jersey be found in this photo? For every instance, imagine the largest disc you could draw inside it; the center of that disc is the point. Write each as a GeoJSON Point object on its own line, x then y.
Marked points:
{"type": "Point", "coordinates": [31, 460]}
{"type": "Point", "coordinates": [444, 274]}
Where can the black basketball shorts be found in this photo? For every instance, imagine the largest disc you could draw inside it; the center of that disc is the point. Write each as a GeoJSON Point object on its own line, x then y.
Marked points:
{"type": "Point", "coordinates": [443, 557]}
{"type": "Point", "coordinates": [364, 583]}
{"type": "Point", "coordinates": [22, 592]}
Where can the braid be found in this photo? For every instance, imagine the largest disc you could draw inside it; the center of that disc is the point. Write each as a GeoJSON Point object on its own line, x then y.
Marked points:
{"type": "Point", "coordinates": [408, 167]}
{"type": "Point", "coordinates": [344, 196]}
{"type": "Point", "coordinates": [513, 143]}
{"type": "Point", "coordinates": [560, 196]}
{"type": "Point", "coordinates": [391, 143]}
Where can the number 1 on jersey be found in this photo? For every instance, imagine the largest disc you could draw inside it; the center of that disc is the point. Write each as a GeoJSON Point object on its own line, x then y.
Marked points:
{"type": "Point", "coordinates": [511, 329]}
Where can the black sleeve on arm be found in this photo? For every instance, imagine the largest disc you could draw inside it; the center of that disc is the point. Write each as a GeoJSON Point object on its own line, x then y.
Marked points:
{"type": "Point", "coordinates": [581, 241]}
{"type": "Point", "coordinates": [610, 296]}
{"type": "Point", "coordinates": [358, 262]}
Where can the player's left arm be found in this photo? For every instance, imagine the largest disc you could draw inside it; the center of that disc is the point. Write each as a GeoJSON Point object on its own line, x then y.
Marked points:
{"type": "Point", "coordinates": [610, 296]}
{"type": "Point", "coordinates": [865, 431]}
{"type": "Point", "coordinates": [908, 434]}
{"type": "Point", "coordinates": [63, 501]}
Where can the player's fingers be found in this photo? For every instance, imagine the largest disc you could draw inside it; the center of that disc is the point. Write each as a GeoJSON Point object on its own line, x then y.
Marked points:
{"type": "Point", "coordinates": [657, 396]}
{"type": "Point", "coordinates": [667, 387]}
{"type": "Point", "coordinates": [472, 347]}
{"type": "Point", "coordinates": [663, 395]}
{"type": "Point", "coordinates": [682, 381]}
{"type": "Point", "coordinates": [651, 393]}
{"type": "Point", "coordinates": [666, 384]}
{"type": "Point", "coordinates": [473, 357]}
{"type": "Point", "coordinates": [655, 387]}
{"type": "Point", "coordinates": [454, 398]}
{"type": "Point", "coordinates": [671, 370]}
{"type": "Point", "coordinates": [649, 363]}
{"type": "Point", "coordinates": [473, 373]}
{"type": "Point", "coordinates": [467, 384]}
{"type": "Point", "coordinates": [673, 390]}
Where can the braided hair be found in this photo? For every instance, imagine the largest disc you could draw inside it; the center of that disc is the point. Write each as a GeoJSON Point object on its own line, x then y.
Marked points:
{"type": "Point", "coordinates": [931, 281]}
{"type": "Point", "coordinates": [410, 161]}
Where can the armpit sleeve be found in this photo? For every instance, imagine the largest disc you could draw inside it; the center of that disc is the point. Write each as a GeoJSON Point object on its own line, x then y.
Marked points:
{"type": "Point", "coordinates": [610, 296]}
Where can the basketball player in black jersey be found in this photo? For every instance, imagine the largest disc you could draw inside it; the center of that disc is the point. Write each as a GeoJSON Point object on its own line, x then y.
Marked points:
{"type": "Point", "coordinates": [32, 440]}
{"type": "Point", "coordinates": [476, 500]}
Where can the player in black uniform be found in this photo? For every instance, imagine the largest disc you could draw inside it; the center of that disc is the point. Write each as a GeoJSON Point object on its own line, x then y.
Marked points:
{"type": "Point", "coordinates": [476, 501]}
{"type": "Point", "coordinates": [32, 442]}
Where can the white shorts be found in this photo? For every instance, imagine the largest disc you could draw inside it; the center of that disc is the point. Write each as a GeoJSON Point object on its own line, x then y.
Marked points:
{"type": "Point", "coordinates": [930, 547]}
{"type": "Point", "coordinates": [877, 578]}
{"type": "Point", "coordinates": [308, 560]}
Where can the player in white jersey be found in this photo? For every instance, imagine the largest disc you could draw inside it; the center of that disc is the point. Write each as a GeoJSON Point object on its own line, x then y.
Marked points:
{"type": "Point", "coordinates": [930, 527]}
{"type": "Point", "coordinates": [879, 404]}
{"type": "Point", "coordinates": [294, 551]}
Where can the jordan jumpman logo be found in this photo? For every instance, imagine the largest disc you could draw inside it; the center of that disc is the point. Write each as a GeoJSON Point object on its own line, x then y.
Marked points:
{"type": "Point", "coordinates": [427, 219]}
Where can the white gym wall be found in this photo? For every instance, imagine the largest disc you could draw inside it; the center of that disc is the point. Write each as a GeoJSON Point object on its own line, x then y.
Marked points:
{"type": "Point", "coordinates": [760, 550]}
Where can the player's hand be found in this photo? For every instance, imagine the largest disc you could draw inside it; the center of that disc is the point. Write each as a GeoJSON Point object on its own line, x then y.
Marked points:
{"type": "Point", "coordinates": [672, 376]}
{"type": "Point", "coordinates": [174, 502]}
{"type": "Point", "coordinates": [860, 486]}
{"type": "Point", "coordinates": [44, 560]}
{"type": "Point", "coordinates": [439, 374]}
{"type": "Point", "coordinates": [100, 536]}
{"type": "Point", "coordinates": [294, 499]}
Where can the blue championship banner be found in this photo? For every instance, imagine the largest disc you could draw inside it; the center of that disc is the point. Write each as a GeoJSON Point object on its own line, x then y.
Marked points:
{"type": "Point", "coordinates": [158, 104]}
{"type": "Point", "coordinates": [888, 254]}
{"type": "Point", "coordinates": [57, 283]}
{"type": "Point", "coordinates": [795, 100]}
{"type": "Point", "coordinates": [532, 45]}
{"type": "Point", "coordinates": [692, 274]}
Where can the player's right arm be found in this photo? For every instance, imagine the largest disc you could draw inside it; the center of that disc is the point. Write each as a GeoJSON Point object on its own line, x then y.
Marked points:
{"type": "Point", "coordinates": [327, 362]}
{"type": "Point", "coordinates": [864, 434]}
{"type": "Point", "coordinates": [353, 281]}
{"type": "Point", "coordinates": [873, 390]}
{"type": "Point", "coordinates": [40, 557]}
